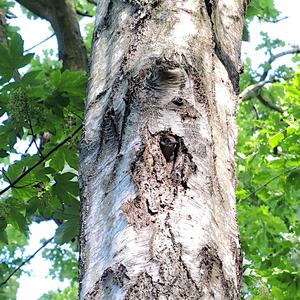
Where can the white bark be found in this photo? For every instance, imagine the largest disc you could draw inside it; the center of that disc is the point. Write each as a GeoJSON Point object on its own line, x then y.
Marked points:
{"type": "Point", "coordinates": [157, 159]}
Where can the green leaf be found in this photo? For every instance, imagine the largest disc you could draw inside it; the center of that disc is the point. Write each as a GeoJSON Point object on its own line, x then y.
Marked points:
{"type": "Point", "coordinates": [3, 223]}
{"type": "Point", "coordinates": [293, 179]}
{"type": "Point", "coordinates": [71, 158]}
{"type": "Point", "coordinates": [3, 153]}
{"type": "Point", "coordinates": [16, 44]}
{"type": "Point", "coordinates": [64, 185]}
{"type": "Point", "coordinates": [6, 69]}
{"type": "Point", "coordinates": [3, 237]}
{"type": "Point", "coordinates": [55, 78]}
{"type": "Point", "coordinates": [30, 77]}
{"type": "Point", "coordinates": [276, 139]}
{"type": "Point", "coordinates": [24, 60]}
{"type": "Point", "coordinates": [32, 206]}
{"type": "Point", "coordinates": [57, 161]}
{"type": "Point", "coordinates": [16, 219]}
{"type": "Point", "coordinates": [73, 83]}
{"type": "Point", "coordinates": [67, 231]}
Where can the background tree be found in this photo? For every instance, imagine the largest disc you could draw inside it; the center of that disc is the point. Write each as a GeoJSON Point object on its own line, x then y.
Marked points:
{"type": "Point", "coordinates": [43, 186]}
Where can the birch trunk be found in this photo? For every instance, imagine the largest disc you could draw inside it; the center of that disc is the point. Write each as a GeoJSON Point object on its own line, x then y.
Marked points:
{"type": "Point", "coordinates": [157, 156]}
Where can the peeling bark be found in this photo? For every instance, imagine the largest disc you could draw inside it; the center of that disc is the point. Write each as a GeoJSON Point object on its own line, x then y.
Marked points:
{"type": "Point", "coordinates": [157, 157]}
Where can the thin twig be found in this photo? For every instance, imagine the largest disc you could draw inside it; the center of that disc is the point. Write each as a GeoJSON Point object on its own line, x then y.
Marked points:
{"type": "Point", "coordinates": [30, 144]}
{"type": "Point", "coordinates": [26, 261]}
{"type": "Point", "coordinates": [269, 181]}
{"type": "Point", "coordinates": [4, 175]}
{"type": "Point", "coordinates": [273, 21]}
{"type": "Point", "coordinates": [33, 136]}
{"type": "Point", "coordinates": [43, 41]}
{"type": "Point", "coordinates": [42, 159]}
{"type": "Point", "coordinates": [10, 15]}
{"type": "Point", "coordinates": [83, 13]}
{"type": "Point", "coordinates": [254, 90]}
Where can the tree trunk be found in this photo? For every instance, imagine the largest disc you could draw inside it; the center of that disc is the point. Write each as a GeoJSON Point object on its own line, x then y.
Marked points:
{"type": "Point", "coordinates": [157, 157]}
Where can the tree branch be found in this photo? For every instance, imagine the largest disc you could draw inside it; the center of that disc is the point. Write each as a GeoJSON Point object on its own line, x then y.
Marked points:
{"type": "Point", "coordinates": [274, 57]}
{"type": "Point", "coordinates": [269, 104]}
{"type": "Point", "coordinates": [40, 8]}
{"type": "Point", "coordinates": [26, 261]}
{"type": "Point", "coordinates": [42, 159]}
{"type": "Point", "coordinates": [43, 41]}
{"type": "Point", "coordinates": [62, 16]}
{"type": "Point", "coordinates": [252, 90]}
{"type": "Point", "coordinates": [30, 144]}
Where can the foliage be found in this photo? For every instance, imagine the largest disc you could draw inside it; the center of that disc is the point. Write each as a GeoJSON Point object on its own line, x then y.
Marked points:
{"type": "Point", "coordinates": [41, 110]}
{"type": "Point", "coordinates": [269, 186]}
{"type": "Point", "coordinates": [68, 293]}
{"type": "Point", "coordinates": [264, 10]}
{"type": "Point", "coordinates": [11, 255]}
{"type": "Point", "coordinates": [64, 262]}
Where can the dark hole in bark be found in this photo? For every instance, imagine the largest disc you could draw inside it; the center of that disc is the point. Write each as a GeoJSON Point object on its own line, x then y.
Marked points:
{"type": "Point", "coordinates": [169, 145]}
{"type": "Point", "coordinates": [178, 101]}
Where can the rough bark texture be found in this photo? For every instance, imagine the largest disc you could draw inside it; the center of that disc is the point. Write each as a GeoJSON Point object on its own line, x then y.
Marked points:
{"type": "Point", "coordinates": [2, 26]}
{"type": "Point", "coordinates": [62, 17]}
{"type": "Point", "coordinates": [157, 157]}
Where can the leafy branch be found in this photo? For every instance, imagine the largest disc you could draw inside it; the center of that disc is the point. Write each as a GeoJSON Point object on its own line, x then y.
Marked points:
{"type": "Point", "coordinates": [41, 160]}
{"type": "Point", "coordinates": [272, 58]}
{"type": "Point", "coordinates": [26, 261]}
{"type": "Point", "coordinates": [255, 89]}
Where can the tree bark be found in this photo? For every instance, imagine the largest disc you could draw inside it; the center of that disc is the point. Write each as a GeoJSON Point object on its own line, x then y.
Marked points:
{"type": "Point", "coordinates": [157, 158]}
{"type": "Point", "coordinates": [2, 26]}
